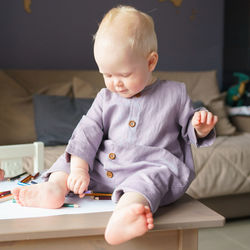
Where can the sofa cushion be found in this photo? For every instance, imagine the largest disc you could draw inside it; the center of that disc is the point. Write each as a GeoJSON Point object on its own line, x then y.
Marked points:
{"type": "Point", "coordinates": [83, 89]}
{"type": "Point", "coordinates": [57, 116]}
{"type": "Point", "coordinates": [16, 107]}
{"type": "Point", "coordinates": [16, 123]}
{"type": "Point", "coordinates": [37, 81]}
{"type": "Point", "coordinates": [34, 80]}
{"type": "Point", "coordinates": [223, 168]}
{"type": "Point", "coordinates": [217, 106]}
{"type": "Point", "coordinates": [201, 85]}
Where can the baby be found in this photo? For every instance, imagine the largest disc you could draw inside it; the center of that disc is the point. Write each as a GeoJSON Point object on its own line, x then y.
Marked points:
{"type": "Point", "coordinates": [135, 140]}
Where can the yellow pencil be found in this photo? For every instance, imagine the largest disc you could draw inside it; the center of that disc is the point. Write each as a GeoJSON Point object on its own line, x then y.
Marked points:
{"type": "Point", "coordinates": [6, 197]}
{"type": "Point", "coordinates": [98, 194]}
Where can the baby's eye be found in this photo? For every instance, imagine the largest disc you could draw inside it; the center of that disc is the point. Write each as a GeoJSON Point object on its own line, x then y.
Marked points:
{"type": "Point", "coordinates": [126, 74]}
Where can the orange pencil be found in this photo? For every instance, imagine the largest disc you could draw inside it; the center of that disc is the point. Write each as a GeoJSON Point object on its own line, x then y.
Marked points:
{"type": "Point", "coordinates": [35, 176]}
{"type": "Point", "coordinates": [26, 179]}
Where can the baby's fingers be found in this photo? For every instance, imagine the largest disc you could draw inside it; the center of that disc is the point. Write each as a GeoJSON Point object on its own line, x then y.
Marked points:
{"type": "Point", "coordinates": [71, 184]}
{"type": "Point", "coordinates": [82, 189]}
{"type": "Point", "coordinates": [203, 115]}
{"type": "Point", "coordinates": [76, 187]}
{"type": "Point", "coordinates": [209, 118]}
{"type": "Point", "coordinates": [215, 119]}
{"type": "Point", "coordinates": [196, 119]}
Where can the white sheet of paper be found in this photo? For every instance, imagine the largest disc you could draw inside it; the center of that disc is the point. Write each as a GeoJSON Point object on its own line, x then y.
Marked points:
{"type": "Point", "coordinates": [10, 210]}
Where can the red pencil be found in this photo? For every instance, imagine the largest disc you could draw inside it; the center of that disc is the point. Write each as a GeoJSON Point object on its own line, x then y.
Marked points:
{"type": "Point", "coordinates": [5, 193]}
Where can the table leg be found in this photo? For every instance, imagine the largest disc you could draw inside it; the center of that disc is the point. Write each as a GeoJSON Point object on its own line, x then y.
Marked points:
{"type": "Point", "coordinates": [188, 239]}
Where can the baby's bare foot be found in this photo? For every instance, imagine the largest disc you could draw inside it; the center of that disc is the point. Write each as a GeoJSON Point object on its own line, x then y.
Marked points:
{"type": "Point", "coordinates": [45, 195]}
{"type": "Point", "coordinates": [127, 223]}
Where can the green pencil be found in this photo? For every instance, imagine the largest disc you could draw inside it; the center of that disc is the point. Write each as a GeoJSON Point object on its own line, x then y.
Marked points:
{"type": "Point", "coordinates": [64, 204]}
{"type": "Point", "coordinates": [70, 205]}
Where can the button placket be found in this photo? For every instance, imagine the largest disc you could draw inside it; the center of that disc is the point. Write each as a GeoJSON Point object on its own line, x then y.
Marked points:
{"type": "Point", "coordinates": [111, 156]}
{"type": "Point", "coordinates": [134, 119]}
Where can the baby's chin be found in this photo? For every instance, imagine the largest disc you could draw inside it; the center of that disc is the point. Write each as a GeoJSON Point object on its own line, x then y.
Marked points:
{"type": "Point", "coordinates": [125, 94]}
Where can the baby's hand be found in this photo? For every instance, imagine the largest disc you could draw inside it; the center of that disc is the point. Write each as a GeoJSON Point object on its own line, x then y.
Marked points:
{"type": "Point", "coordinates": [78, 181]}
{"type": "Point", "coordinates": [203, 122]}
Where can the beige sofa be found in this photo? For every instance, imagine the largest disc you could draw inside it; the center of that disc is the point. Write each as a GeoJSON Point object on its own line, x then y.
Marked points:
{"type": "Point", "coordinates": [222, 170]}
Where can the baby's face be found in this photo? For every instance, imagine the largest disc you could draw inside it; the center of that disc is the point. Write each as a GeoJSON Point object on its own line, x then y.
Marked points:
{"type": "Point", "coordinates": [125, 72]}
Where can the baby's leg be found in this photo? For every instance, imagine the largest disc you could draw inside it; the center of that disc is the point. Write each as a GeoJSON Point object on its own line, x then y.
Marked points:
{"type": "Point", "coordinates": [49, 194]}
{"type": "Point", "coordinates": [132, 218]}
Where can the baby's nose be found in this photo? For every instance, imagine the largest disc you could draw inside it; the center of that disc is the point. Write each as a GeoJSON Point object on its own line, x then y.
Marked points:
{"type": "Point", "coordinates": [118, 82]}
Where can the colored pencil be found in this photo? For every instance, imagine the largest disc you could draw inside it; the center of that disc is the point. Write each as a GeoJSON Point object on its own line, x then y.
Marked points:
{"type": "Point", "coordinates": [26, 179]}
{"type": "Point", "coordinates": [64, 204]}
{"type": "Point", "coordinates": [102, 198]}
{"type": "Point", "coordinates": [5, 193]}
{"type": "Point", "coordinates": [6, 197]}
{"type": "Point", "coordinates": [16, 177]}
{"type": "Point", "coordinates": [98, 194]}
{"type": "Point", "coordinates": [30, 177]}
{"type": "Point", "coordinates": [23, 183]}
{"type": "Point", "coordinates": [70, 205]}
{"type": "Point", "coordinates": [35, 176]}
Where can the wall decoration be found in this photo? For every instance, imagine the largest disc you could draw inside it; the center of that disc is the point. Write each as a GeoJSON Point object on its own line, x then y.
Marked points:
{"type": "Point", "coordinates": [176, 3]}
{"type": "Point", "coordinates": [193, 15]}
{"type": "Point", "coordinates": [27, 4]}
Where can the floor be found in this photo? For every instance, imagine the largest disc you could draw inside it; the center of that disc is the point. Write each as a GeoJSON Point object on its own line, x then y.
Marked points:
{"type": "Point", "coordinates": [235, 235]}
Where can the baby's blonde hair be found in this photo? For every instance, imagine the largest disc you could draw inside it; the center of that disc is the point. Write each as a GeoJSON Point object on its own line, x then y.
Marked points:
{"type": "Point", "coordinates": [141, 35]}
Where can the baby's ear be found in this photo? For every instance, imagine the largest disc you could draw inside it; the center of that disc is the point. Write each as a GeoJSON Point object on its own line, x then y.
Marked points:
{"type": "Point", "coordinates": [152, 61]}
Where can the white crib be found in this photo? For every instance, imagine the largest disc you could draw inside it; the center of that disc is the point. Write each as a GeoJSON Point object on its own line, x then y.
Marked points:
{"type": "Point", "coordinates": [11, 157]}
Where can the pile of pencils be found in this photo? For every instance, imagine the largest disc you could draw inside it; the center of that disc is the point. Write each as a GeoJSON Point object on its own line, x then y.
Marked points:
{"type": "Point", "coordinates": [7, 195]}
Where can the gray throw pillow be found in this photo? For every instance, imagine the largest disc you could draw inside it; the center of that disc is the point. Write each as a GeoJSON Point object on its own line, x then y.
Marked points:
{"type": "Point", "coordinates": [57, 116]}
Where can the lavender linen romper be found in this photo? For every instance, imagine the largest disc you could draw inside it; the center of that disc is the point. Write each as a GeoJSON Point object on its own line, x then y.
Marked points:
{"type": "Point", "coordinates": [139, 144]}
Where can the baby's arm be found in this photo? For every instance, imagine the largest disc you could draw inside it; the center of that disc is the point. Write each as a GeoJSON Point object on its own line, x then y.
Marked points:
{"type": "Point", "coordinates": [203, 121]}
{"type": "Point", "coordinates": [78, 179]}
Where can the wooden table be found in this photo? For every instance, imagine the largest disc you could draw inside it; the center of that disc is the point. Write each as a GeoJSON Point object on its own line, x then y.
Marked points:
{"type": "Point", "coordinates": [176, 227]}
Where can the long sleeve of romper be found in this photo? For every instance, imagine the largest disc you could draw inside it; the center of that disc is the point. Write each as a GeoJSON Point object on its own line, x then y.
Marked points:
{"type": "Point", "coordinates": [185, 115]}
{"type": "Point", "coordinates": [88, 134]}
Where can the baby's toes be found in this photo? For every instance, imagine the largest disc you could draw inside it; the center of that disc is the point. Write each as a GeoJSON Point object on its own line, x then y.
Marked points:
{"type": "Point", "coordinates": [16, 192]}
{"type": "Point", "coordinates": [22, 196]}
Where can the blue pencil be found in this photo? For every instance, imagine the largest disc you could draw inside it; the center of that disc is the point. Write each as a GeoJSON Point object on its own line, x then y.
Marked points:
{"type": "Point", "coordinates": [23, 184]}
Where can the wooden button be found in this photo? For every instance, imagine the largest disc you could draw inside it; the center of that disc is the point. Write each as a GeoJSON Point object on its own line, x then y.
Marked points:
{"type": "Point", "coordinates": [132, 124]}
{"type": "Point", "coordinates": [109, 174]}
{"type": "Point", "coordinates": [112, 156]}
